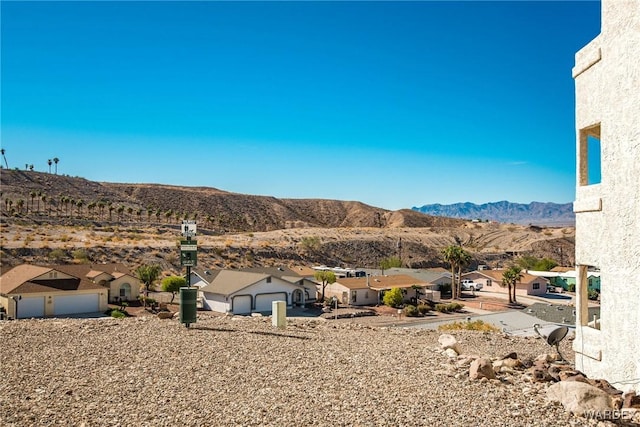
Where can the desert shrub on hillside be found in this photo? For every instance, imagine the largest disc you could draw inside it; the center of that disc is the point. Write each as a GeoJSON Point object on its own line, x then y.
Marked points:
{"type": "Point", "coordinates": [80, 255]}
{"type": "Point", "coordinates": [57, 255]}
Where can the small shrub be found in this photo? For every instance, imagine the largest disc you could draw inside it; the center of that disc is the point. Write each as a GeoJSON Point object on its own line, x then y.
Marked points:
{"type": "Point", "coordinates": [449, 308]}
{"type": "Point", "coordinates": [571, 287]}
{"type": "Point", "coordinates": [117, 314]}
{"type": "Point", "coordinates": [411, 311]}
{"type": "Point", "coordinates": [80, 255]}
{"type": "Point", "coordinates": [424, 309]}
{"type": "Point", "coordinates": [441, 308]}
{"type": "Point", "coordinates": [57, 255]}
{"type": "Point", "coordinates": [476, 325]}
{"type": "Point", "coordinates": [593, 294]}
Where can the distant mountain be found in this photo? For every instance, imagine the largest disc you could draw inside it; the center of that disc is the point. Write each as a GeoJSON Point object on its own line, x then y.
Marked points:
{"type": "Point", "coordinates": [536, 213]}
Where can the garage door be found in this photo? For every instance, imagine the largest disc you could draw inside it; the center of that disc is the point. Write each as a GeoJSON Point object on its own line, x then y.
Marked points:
{"type": "Point", "coordinates": [263, 301]}
{"type": "Point", "coordinates": [30, 307]}
{"type": "Point", "coordinates": [241, 304]}
{"type": "Point", "coordinates": [74, 304]}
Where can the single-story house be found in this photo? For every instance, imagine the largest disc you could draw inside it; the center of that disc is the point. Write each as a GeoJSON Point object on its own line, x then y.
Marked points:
{"type": "Point", "coordinates": [492, 282]}
{"type": "Point", "coordinates": [436, 277]}
{"type": "Point", "coordinates": [370, 290]}
{"type": "Point", "coordinates": [36, 291]}
{"type": "Point", "coordinates": [243, 292]}
{"type": "Point", "coordinates": [121, 284]}
{"type": "Point", "coordinates": [566, 279]}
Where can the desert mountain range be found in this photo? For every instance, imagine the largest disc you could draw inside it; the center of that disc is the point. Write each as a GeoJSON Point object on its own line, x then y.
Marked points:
{"type": "Point", "coordinates": [90, 221]}
{"type": "Point", "coordinates": [537, 213]}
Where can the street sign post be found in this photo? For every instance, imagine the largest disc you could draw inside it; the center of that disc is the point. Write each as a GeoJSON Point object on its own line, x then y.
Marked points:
{"type": "Point", "coordinates": [188, 259]}
{"type": "Point", "coordinates": [188, 253]}
{"type": "Point", "coordinates": [188, 228]}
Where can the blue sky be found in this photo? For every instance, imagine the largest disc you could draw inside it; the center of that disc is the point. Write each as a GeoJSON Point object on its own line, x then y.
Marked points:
{"type": "Point", "coordinates": [392, 104]}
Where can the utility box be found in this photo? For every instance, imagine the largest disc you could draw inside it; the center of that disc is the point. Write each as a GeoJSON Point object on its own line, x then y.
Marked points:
{"type": "Point", "coordinates": [279, 314]}
{"type": "Point", "coordinates": [188, 310]}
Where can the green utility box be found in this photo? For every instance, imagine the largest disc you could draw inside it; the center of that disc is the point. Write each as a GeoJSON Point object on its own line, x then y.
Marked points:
{"type": "Point", "coordinates": [188, 311]}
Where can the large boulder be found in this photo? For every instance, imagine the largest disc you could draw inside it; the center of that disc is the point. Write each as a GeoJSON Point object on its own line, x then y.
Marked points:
{"type": "Point", "coordinates": [449, 341]}
{"type": "Point", "coordinates": [481, 368]}
{"type": "Point", "coordinates": [578, 397]}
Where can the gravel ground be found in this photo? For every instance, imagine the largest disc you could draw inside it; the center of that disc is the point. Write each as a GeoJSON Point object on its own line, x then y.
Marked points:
{"type": "Point", "coordinates": [242, 371]}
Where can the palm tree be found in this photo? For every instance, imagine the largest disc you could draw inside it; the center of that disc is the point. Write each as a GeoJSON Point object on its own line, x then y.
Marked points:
{"type": "Point", "coordinates": [452, 254]}
{"type": "Point", "coordinates": [79, 205]}
{"type": "Point", "coordinates": [31, 167]}
{"type": "Point", "coordinates": [33, 195]}
{"type": "Point", "coordinates": [56, 160]}
{"type": "Point", "coordinates": [111, 208]}
{"type": "Point", "coordinates": [510, 277]}
{"type": "Point", "coordinates": [39, 194]}
{"type": "Point", "coordinates": [49, 162]}
{"type": "Point", "coordinates": [44, 202]}
{"type": "Point", "coordinates": [148, 274]}
{"type": "Point", "coordinates": [2, 150]}
{"type": "Point", "coordinates": [20, 204]}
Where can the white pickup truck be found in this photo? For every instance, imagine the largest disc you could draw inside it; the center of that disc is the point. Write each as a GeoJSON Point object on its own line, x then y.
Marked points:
{"type": "Point", "coordinates": [470, 285]}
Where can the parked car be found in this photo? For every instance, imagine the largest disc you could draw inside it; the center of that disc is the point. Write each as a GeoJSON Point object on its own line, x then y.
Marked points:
{"type": "Point", "coordinates": [470, 285]}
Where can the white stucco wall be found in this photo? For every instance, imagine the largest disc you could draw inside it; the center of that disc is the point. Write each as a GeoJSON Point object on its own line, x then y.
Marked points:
{"type": "Point", "coordinates": [607, 83]}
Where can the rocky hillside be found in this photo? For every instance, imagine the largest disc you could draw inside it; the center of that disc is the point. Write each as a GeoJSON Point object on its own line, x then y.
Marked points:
{"type": "Point", "coordinates": [47, 218]}
{"type": "Point", "coordinates": [548, 214]}
{"type": "Point", "coordinates": [217, 209]}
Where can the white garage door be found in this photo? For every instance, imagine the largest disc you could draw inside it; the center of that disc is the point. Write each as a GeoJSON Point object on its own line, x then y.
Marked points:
{"type": "Point", "coordinates": [30, 307]}
{"type": "Point", "coordinates": [263, 301]}
{"type": "Point", "coordinates": [74, 304]}
{"type": "Point", "coordinates": [242, 304]}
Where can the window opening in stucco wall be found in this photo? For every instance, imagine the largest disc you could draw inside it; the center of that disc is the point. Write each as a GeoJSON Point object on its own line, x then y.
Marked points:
{"type": "Point", "coordinates": [590, 156]}
{"type": "Point", "coordinates": [586, 295]}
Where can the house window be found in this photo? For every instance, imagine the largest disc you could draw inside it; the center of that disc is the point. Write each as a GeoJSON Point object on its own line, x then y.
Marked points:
{"type": "Point", "coordinates": [354, 296]}
{"type": "Point", "coordinates": [590, 156]}
{"type": "Point", "coordinates": [489, 282]}
{"type": "Point", "coordinates": [269, 279]}
{"type": "Point", "coordinates": [536, 286]}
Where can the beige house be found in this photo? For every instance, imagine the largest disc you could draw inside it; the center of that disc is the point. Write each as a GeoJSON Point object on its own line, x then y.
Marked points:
{"type": "Point", "coordinates": [607, 205]}
{"type": "Point", "coordinates": [33, 291]}
{"type": "Point", "coordinates": [491, 281]}
{"type": "Point", "coordinates": [370, 290]}
{"type": "Point", "coordinates": [121, 284]}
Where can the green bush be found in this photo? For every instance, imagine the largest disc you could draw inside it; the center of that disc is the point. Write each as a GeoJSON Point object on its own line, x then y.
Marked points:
{"type": "Point", "coordinates": [424, 309]}
{"type": "Point", "coordinates": [593, 294]}
{"type": "Point", "coordinates": [571, 287]}
{"type": "Point", "coordinates": [411, 311]}
{"type": "Point", "coordinates": [57, 255]}
{"type": "Point", "coordinates": [117, 314]}
{"type": "Point", "coordinates": [448, 308]}
{"type": "Point", "coordinates": [393, 298]}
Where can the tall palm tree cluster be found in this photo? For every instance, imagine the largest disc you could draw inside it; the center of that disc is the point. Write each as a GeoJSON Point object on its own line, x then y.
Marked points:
{"type": "Point", "coordinates": [510, 277]}
{"type": "Point", "coordinates": [457, 258]}
{"type": "Point", "coordinates": [39, 203]}
{"type": "Point", "coordinates": [28, 166]}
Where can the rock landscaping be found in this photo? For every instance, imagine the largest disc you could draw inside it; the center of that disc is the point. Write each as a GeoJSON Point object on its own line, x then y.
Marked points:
{"type": "Point", "coordinates": [229, 371]}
